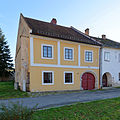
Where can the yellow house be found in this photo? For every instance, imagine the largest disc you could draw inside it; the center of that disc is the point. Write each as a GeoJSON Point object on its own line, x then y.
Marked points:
{"type": "Point", "coordinates": [50, 57]}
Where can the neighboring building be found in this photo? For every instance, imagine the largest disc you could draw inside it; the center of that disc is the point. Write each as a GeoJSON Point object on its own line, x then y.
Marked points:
{"type": "Point", "coordinates": [110, 62]}
{"type": "Point", "coordinates": [50, 57]}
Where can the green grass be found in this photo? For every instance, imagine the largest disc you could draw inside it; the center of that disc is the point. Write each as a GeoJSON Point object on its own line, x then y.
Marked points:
{"type": "Point", "coordinates": [7, 91]}
{"type": "Point", "coordinates": [108, 109]}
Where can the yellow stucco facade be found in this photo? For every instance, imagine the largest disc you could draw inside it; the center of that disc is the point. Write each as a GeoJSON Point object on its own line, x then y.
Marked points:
{"type": "Point", "coordinates": [78, 65]}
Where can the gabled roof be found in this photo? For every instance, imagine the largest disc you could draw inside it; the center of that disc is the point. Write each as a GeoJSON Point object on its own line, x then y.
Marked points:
{"type": "Point", "coordinates": [56, 31]}
{"type": "Point", "coordinates": [108, 43]}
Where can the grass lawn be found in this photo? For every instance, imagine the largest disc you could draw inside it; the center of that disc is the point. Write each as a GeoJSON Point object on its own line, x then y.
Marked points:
{"type": "Point", "coordinates": [7, 91]}
{"type": "Point", "coordinates": [108, 109]}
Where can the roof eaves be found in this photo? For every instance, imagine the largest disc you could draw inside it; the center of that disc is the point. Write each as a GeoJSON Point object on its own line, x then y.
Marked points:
{"type": "Point", "coordinates": [73, 40]}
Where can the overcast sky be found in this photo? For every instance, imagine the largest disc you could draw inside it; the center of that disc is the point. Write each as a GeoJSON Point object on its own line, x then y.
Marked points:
{"type": "Point", "coordinates": [100, 16]}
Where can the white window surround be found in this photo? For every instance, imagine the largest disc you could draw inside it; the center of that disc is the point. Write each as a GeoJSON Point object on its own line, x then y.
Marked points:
{"type": "Point", "coordinates": [119, 57]}
{"type": "Point", "coordinates": [43, 78]}
{"type": "Point", "coordinates": [85, 54]}
{"type": "Point", "coordinates": [42, 51]}
{"type": "Point", "coordinates": [107, 58]}
{"type": "Point", "coordinates": [52, 65]}
{"type": "Point", "coordinates": [72, 77]}
{"type": "Point", "coordinates": [72, 54]}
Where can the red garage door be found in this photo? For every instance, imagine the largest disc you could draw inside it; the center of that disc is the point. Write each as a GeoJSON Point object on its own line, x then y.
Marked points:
{"type": "Point", "coordinates": [88, 81]}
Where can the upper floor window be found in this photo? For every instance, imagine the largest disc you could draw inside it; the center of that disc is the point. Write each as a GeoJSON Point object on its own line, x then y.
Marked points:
{"type": "Point", "coordinates": [88, 56]}
{"type": "Point", "coordinates": [47, 77]}
{"type": "Point", "coordinates": [68, 53]}
{"type": "Point", "coordinates": [68, 77]}
{"type": "Point", "coordinates": [47, 51]}
{"type": "Point", "coordinates": [119, 76]}
{"type": "Point", "coordinates": [119, 58]}
{"type": "Point", "coordinates": [107, 56]}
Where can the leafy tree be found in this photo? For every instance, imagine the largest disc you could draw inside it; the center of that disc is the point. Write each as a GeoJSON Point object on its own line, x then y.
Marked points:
{"type": "Point", "coordinates": [6, 65]}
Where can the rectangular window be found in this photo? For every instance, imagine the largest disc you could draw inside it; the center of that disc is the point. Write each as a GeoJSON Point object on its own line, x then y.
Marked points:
{"type": "Point", "coordinates": [119, 76]}
{"type": "Point", "coordinates": [47, 51]}
{"type": "Point", "coordinates": [47, 77]}
{"type": "Point", "coordinates": [119, 58]}
{"type": "Point", "coordinates": [107, 56]}
{"type": "Point", "coordinates": [68, 53]}
{"type": "Point", "coordinates": [88, 56]}
{"type": "Point", "coordinates": [68, 77]}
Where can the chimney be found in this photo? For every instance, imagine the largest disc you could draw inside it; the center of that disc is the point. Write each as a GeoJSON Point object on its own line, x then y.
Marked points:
{"type": "Point", "coordinates": [54, 21]}
{"type": "Point", "coordinates": [103, 36]}
{"type": "Point", "coordinates": [87, 31]}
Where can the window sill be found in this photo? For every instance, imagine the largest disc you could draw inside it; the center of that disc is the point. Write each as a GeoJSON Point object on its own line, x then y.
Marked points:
{"type": "Point", "coordinates": [69, 59]}
{"type": "Point", "coordinates": [68, 83]}
{"type": "Point", "coordinates": [46, 58]}
{"type": "Point", "coordinates": [47, 83]}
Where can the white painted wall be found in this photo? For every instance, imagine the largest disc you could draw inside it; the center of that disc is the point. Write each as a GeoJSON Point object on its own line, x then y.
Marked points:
{"type": "Point", "coordinates": [112, 66]}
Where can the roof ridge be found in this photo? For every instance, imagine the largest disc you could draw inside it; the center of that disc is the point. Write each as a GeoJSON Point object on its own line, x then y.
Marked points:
{"type": "Point", "coordinates": [46, 22]}
{"type": "Point", "coordinates": [106, 39]}
{"type": "Point", "coordinates": [85, 35]}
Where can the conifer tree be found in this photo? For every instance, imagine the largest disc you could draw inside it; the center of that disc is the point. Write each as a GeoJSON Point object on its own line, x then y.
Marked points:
{"type": "Point", "coordinates": [6, 65]}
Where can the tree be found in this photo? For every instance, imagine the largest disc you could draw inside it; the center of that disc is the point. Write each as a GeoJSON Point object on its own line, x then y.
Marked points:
{"type": "Point", "coordinates": [6, 65]}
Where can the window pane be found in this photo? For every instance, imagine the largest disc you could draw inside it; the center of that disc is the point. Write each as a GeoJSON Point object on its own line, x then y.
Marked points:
{"type": "Point", "coordinates": [68, 77]}
{"type": "Point", "coordinates": [119, 57]}
{"type": "Point", "coordinates": [88, 56]}
{"type": "Point", "coordinates": [68, 53]}
{"type": "Point", "coordinates": [106, 56]}
{"type": "Point", "coordinates": [44, 51]}
{"type": "Point", "coordinates": [47, 77]}
{"type": "Point", "coordinates": [50, 52]}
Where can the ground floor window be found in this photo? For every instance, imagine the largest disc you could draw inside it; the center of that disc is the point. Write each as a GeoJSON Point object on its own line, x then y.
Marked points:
{"type": "Point", "coordinates": [47, 77]}
{"type": "Point", "coordinates": [68, 78]}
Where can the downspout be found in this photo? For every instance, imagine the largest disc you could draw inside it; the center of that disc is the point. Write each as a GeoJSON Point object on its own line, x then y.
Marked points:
{"type": "Point", "coordinates": [100, 66]}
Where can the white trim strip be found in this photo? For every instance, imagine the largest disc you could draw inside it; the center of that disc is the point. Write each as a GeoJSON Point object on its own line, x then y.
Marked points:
{"type": "Point", "coordinates": [78, 55]}
{"type": "Point", "coordinates": [58, 52]}
{"type": "Point", "coordinates": [31, 52]}
{"type": "Point", "coordinates": [62, 66]}
{"type": "Point", "coordinates": [52, 65]}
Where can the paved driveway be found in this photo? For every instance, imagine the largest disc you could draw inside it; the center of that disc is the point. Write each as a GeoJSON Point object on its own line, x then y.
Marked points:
{"type": "Point", "coordinates": [65, 99]}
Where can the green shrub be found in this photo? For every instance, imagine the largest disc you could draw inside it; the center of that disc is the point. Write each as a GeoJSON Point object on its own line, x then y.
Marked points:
{"type": "Point", "coordinates": [16, 112]}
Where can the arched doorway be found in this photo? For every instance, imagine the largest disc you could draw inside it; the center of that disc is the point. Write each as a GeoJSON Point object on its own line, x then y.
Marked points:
{"type": "Point", "coordinates": [88, 81]}
{"type": "Point", "coordinates": [106, 80]}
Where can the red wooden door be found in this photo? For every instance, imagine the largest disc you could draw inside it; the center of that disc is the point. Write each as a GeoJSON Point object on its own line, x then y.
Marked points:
{"type": "Point", "coordinates": [88, 81]}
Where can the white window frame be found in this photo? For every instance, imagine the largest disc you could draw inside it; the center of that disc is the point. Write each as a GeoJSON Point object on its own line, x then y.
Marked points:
{"type": "Point", "coordinates": [43, 78]}
{"type": "Point", "coordinates": [119, 57]}
{"type": "Point", "coordinates": [119, 76]}
{"type": "Point", "coordinates": [42, 51]}
{"type": "Point", "coordinates": [72, 56]}
{"type": "Point", "coordinates": [72, 77]}
{"type": "Point", "coordinates": [108, 60]}
{"type": "Point", "coordinates": [85, 56]}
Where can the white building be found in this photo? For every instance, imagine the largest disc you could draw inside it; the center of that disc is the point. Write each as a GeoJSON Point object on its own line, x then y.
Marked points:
{"type": "Point", "coordinates": [110, 62]}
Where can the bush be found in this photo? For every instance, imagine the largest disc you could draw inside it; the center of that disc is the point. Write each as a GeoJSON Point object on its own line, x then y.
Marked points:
{"type": "Point", "coordinates": [16, 112]}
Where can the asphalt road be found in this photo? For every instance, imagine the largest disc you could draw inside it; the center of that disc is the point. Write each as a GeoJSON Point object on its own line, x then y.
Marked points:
{"type": "Point", "coordinates": [56, 100]}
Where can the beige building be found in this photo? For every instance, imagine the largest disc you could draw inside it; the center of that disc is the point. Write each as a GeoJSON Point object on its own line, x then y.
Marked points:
{"type": "Point", "coordinates": [50, 57]}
